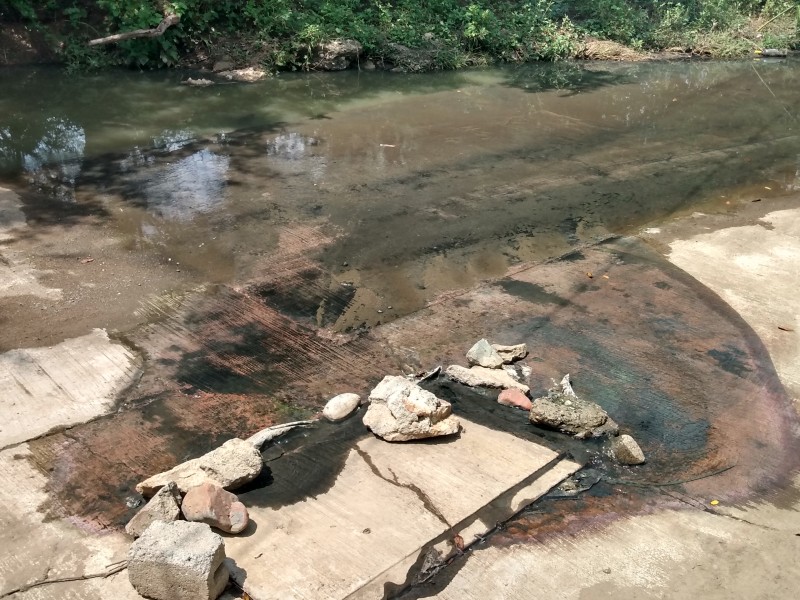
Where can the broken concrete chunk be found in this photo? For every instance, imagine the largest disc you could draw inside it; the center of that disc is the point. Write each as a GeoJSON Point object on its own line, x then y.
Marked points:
{"type": "Point", "coordinates": [484, 355]}
{"type": "Point", "coordinates": [164, 506]}
{"type": "Point", "coordinates": [340, 407]}
{"type": "Point", "coordinates": [564, 411]}
{"type": "Point", "coordinates": [520, 373]}
{"type": "Point", "coordinates": [483, 377]}
{"type": "Point", "coordinates": [400, 411]}
{"type": "Point", "coordinates": [626, 451]}
{"type": "Point", "coordinates": [270, 433]}
{"type": "Point", "coordinates": [511, 353]}
{"type": "Point", "coordinates": [514, 398]}
{"type": "Point", "coordinates": [230, 466]}
{"type": "Point", "coordinates": [178, 561]}
{"type": "Point", "coordinates": [210, 504]}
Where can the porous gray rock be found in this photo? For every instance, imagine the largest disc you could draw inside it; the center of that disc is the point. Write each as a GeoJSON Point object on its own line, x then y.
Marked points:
{"type": "Point", "coordinates": [336, 55]}
{"type": "Point", "coordinates": [564, 411]}
{"type": "Point", "coordinates": [483, 354]}
{"type": "Point", "coordinates": [482, 377]}
{"type": "Point", "coordinates": [178, 561]}
{"type": "Point", "coordinates": [626, 451]}
{"type": "Point", "coordinates": [340, 407]}
{"type": "Point", "coordinates": [164, 506]}
{"type": "Point", "coordinates": [231, 465]}
{"type": "Point", "coordinates": [210, 504]}
{"type": "Point", "coordinates": [400, 411]}
{"type": "Point", "coordinates": [510, 354]}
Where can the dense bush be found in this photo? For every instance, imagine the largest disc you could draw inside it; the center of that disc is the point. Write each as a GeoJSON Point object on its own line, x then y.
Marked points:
{"type": "Point", "coordinates": [462, 31]}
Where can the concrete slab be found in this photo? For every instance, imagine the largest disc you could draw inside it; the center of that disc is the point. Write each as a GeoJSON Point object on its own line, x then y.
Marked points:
{"type": "Point", "coordinates": [72, 382]}
{"type": "Point", "coordinates": [389, 505]}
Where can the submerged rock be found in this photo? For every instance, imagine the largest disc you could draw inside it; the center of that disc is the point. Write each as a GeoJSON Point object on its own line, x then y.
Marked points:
{"type": "Point", "coordinates": [564, 411]}
{"type": "Point", "coordinates": [164, 506]}
{"type": "Point", "coordinates": [246, 75]}
{"type": "Point", "coordinates": [484, 355]}
{"type": "Point", "coordinates": [231, 465]}
{"type": "Point", "coordinates": [400, 411]}
{"type": "Point", "coordinates": [340, 407]}
{"type": "Point", "coordinates": [336, 55]}
{"type": "Point", "coordinates": [511, 353]}
{"type": "Point", "coordinates": [515, 398]}
{"type": "Point", "coordinates": [210, 504]}
{"type": "Point", "coordinates": [626, 451]}
{"type": "Point", "coordinates": [270, 433]}
{"type": "Point", "coordinates": [178, 561]}
{"type": "Point", "coordinates": [483, 377]}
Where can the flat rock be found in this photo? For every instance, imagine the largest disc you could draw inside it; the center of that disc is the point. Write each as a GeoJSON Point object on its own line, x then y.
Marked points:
{"type": "Point", "coordinates": [511, 353]}
{"type": "Point", "coordinates": [515, 398]}
{"type": "Point", "coordinates": [246, 75]}
{"type": "Point", "coordinates": [564, 411]}
{"type": "Point", "coordinates": [400, 411]}
{"type": "Point", "coordinates": [482, 377]}
{"type": "Point", "coordinates": [626, 451]}
{"type": "Point", "coordinates": [270, 433]}
{"type": "Point", "coordinates": [178, 561]}
{"type": "Point", "coordinates": [231, 465]}
{"type": "Point", "coordinates": [520, 373]}
{"type": "Point", "coordinates": [340, 407]}
{"type": "Point", "coordinates": [164, 506]}
{"type": "Point", "coordinates": [484, 355]}
{"type": "Point", "coordinates": [210, 504]}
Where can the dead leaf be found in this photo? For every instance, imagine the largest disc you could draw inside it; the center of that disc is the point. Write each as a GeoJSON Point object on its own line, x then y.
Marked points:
{"type": "Point", "coordinates": [782, 328]}
{"type": "Point", "coordinates": [458, 542]}
{"type": "Point", "coordinates": [87, 260]}
{"type": "Point", "coordinates": [589, 275]}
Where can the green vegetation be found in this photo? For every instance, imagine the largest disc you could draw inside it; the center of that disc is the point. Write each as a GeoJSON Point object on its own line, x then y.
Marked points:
{"type": "Point", "coordinates": [451, 33]}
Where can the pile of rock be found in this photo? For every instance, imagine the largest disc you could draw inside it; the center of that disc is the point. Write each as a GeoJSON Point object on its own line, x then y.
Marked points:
{"type": "Point", "coordinates": [492, 366]}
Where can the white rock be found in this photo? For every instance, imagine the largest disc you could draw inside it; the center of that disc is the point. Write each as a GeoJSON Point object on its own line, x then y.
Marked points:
{"type": "Point", "coordinates": [511, 353]}
{"type": "Point", "coordinates": [231, 465]}
{"type": "Point", "coordinates": [483, 377]}
{"type": "Point", "coordinates": [484, 355]}
{"type": "Point", "coordinates": [626, 451]}
{"type": "Point", "coordinates": [178, 561]}
{"type": "Point", "coordinates": [164, 506]}
{"type": "Point", "coordinates": [400, 411]}
{"type": "Point", "coordinates": [340, 407]}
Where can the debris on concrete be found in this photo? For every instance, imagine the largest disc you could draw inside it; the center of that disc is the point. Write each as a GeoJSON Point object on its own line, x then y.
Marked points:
{"type": "Point", "coordinates": [432, 374]}
{"type": "Point", "coordinates": [513, 353]}
{"type": "Point", "coordinates": [564, 411]}
{"type": "Point", "coordinates": [270, 433]}
{"type": "Point", "coordinates": [400, 411]}
{"type": "Point", "coordinates": [164, 506]}
{"type": "Point", "coordinates": [340, 407]}
{"type": "Point", "coordinates": [483, 377]}
{"type": "Point", "coordinates": [626, 451]}
{"type": "Point", "coordinates": [484, 355]}
{"type": "Point", "coordinates": [231, 465]}
{"type": "Point", "coordinates": [178, 561]}
{"type": "Point", "coordinates": [210, 504]}
{"type": "Point", "coordinates": [515, 398]}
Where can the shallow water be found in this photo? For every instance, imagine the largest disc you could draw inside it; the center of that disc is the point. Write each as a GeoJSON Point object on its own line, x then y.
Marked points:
{"type": "Point", "coordinates": [395, 187]}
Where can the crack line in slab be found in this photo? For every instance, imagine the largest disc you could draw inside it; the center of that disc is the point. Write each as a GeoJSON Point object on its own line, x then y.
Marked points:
{"type": "Point", "coordinates": [423, 497]}
{"type": "Point", "coordinates": [103, 575]}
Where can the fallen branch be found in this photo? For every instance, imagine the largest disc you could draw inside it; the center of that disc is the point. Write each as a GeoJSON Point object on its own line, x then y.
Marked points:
{"type": "Point", "coordinates": [165, 24]}
{"type": "Point", "coordinates": [24, 588]}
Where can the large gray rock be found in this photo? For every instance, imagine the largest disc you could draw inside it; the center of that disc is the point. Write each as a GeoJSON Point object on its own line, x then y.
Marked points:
{"type": "Point", "coordinates": [482, 377]}
{"type": "Point", "coordinates": [564, 411]}
{"type": "Point", "coordinates": [626, 451]}
{"type": "Point", "coordinates": [400, 411]}
{"type": "Point", "coordinates": [164, 506]}
{"type": "Point", "coordinates": [340, 407]}
{"type": "Point", "coordinates": [210, 504]}
{"type": "Point", "coordinates": [483, 354]}
{"type": "Point", "coordinates": [336, 55]}
{"type": "Point", "coordinates": [231, 465]}
{"type": "Point", "coordinates": [511, 353]}
{"type": "Point", "coordinates": [178, 561]}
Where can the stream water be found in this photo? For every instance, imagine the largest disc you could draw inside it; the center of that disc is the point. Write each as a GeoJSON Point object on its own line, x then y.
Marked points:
{"type": "Point", "coordinates": [400, 186]}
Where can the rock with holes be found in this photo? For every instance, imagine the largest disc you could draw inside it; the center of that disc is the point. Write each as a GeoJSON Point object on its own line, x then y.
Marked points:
{"type": "Point", "coordinates": [514, 398]}
{"type": "Point", "coordinates": [483, 354]}
{"type": "Point", "coordinates": [510, 354]}
{"type": "Point", "coordinates": [400, 411]}
{"type": "Point", "coordinates": [626, 451]}
{"type": "Point", "coordinates": [340, 407]}
{"type": "Point", "coordinates": [564, 411]}
{"type": "Point", "coordinates": [178, 561]}
{"type": "Point", "coordinates": [483, 377]}
{"type": "Point", "coordinates": [231, 465]}
{"type": "Point", "coordinates": [210, 504]}
{"type": "Point", "coordinates": [164, 506]}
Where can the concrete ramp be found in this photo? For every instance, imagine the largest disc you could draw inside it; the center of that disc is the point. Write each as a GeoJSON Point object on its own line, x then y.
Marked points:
{"type": "Point", "coordinates": [391, 506]}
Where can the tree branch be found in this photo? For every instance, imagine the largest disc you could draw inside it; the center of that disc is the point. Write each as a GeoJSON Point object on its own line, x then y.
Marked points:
{"type": "Point", "coordinates": [165, 24]}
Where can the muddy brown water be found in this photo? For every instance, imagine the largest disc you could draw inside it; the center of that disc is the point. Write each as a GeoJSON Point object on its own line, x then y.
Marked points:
{"type": "Point", "coordinates": [269, 245]}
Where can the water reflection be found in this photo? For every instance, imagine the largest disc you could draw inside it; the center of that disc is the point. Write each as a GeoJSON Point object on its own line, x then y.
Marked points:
{"type": "Point", "coordinates": [293, 153]}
